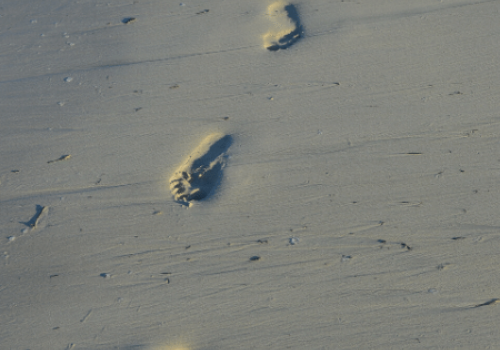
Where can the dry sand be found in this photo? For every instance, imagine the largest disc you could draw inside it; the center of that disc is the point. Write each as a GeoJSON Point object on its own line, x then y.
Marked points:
{"type": "Point", "coordinates": [356, 205]}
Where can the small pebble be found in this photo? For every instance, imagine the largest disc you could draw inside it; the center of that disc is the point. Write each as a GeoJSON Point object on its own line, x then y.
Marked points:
{"type": "Point", "coordinates": [11, 238]}
{"type": "Point", "coordinates": [293, 240]}
{"type": "Point", "coordinates": [255, 258]}
{"type": "Point", "coordinates": [105, 275]}
{"type": "Point", "coordinates": [345, 258]}
{"type": "Point", "coordinates": [68, 79]}
{"type": "Point", "coordinates": [404, 245]}
{"type": "Point", "coordinates": [128, 20]}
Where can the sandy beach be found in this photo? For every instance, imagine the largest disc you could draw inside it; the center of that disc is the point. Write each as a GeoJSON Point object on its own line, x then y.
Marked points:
{"type": "Point", "coordinates": [219, 175]}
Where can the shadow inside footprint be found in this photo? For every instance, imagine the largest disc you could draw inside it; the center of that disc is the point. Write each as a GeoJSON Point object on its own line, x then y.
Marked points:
{"type": "Point", "coordinates": [289, 39]}
{"type": "Point", "coordinates": [32, 221]}
{"type": "Point", "coordinates": [206, 182]}
{"type": "Point", "coordinates": [217, 149]}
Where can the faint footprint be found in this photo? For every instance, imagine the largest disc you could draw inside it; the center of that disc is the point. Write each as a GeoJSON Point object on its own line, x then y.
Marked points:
{"type": "Point", "coordinates": [287, 28]}
{"type": "Point", "coordinates": [200, 173]}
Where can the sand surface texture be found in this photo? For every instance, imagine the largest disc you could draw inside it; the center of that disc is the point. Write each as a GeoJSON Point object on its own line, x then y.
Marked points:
{"type": "Point", "coordinates": [341, 187]}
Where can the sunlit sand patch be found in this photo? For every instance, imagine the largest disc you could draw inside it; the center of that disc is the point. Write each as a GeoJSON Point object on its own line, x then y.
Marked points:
{"type": "Point", "coordinates": [171, 347]}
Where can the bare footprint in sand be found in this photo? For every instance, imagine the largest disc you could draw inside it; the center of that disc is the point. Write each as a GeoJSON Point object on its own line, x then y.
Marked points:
{"type": "Point", "coordinates": [200, 173]}
{"type": "Point", "coordinates": [287, 28]}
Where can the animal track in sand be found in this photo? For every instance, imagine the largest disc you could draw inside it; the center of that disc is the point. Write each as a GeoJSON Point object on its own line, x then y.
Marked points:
{"type": "Point", "coordinates": [287, 28]}
{"type": "Point", "coordinates": [200, 173]}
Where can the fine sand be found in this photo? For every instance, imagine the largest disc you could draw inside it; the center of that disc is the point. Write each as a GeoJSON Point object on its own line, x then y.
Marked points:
{"type": "Point", "coordinates": [220, 175]}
